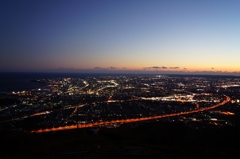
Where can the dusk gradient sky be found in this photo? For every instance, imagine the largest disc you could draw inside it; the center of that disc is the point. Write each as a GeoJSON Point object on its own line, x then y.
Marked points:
{"type": "Point", "coordinates": [120, 35]}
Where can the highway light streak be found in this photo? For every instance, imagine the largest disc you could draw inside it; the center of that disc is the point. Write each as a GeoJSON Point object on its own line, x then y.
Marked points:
{"type": "Point", "coordinates": [114, 122]}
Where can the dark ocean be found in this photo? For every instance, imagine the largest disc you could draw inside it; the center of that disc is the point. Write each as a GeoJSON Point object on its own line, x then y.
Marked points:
{"type": "Point", "coordinates": [20, 81]}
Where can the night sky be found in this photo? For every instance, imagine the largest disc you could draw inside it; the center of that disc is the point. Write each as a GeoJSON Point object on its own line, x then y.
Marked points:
{"type": "Point", "coordinates": [120, 35]}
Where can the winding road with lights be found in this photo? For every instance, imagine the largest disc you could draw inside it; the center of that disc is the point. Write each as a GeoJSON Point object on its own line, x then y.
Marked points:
{"type": "Point", "coordinates": [115, 122]}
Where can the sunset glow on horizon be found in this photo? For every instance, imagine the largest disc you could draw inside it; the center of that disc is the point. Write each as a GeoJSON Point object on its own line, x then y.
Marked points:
{"type": "Point", "coordinates": [169, 36]}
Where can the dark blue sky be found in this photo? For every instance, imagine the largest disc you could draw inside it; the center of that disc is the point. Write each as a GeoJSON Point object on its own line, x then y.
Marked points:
{"type": "Point", "coordinates": [132, 35]}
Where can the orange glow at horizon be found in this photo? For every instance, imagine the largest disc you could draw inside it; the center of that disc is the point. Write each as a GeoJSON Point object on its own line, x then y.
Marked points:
{"type": "Point", "coordinates": [168, 68]}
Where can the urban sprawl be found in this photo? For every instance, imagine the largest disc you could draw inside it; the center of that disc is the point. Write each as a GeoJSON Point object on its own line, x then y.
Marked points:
{"type": "Point", "coordinates": [110, 101]}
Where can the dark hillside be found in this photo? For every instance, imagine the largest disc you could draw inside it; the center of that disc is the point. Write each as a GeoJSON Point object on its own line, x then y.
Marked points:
{"type": "Point", "coordinates": [150, 140]}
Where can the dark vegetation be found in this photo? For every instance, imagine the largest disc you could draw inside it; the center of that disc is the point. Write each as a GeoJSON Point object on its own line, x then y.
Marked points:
{"type": "Point", "coordinates": [150, 140]}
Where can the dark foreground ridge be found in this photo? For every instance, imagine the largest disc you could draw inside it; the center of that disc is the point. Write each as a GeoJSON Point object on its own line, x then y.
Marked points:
{"type": "Point", "coordinates": [150, 140]}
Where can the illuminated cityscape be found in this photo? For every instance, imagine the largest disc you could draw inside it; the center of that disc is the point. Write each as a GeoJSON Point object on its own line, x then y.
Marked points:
{"type": "Point", "coordinates": [122, 79]}
{"type": "Point", "coordinates": [109, 101]}
{"type": "Point", "coordinates": [119, 104]}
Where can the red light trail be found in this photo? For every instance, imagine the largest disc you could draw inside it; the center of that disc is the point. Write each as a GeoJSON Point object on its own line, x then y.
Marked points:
{"type": "Point", "coordinates": [102, 123]}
